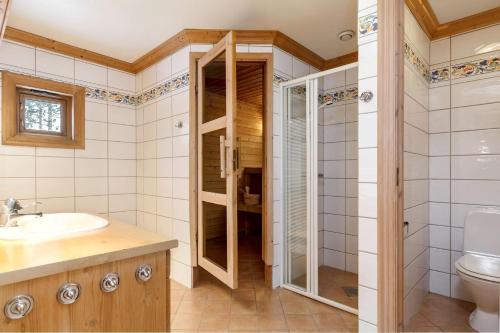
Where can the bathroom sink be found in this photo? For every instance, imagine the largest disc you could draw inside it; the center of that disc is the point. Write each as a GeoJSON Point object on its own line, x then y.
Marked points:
{"type": "Point", "coordinates": [51, 226]}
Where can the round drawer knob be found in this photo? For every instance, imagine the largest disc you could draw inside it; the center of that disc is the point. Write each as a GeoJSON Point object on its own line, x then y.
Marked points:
{"type": "Point", "coordinates": [144, 272]}
{"type": "Point", "coordinates": [68, 293]}
{"type": "Point", "coordinates": [110, 282]}
{"type": "Point", "coordinates": [18, 306]}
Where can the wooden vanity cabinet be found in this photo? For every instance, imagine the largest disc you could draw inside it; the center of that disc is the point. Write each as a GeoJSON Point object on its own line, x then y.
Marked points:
{"type": "Point", "coordinates": [134, 306]}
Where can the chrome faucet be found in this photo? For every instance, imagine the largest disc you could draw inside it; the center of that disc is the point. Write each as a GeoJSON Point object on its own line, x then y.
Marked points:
{"type": "Point", "coordinates": [11, 208]}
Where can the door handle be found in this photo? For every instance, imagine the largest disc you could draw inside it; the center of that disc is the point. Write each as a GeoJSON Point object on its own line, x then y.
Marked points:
{"type": "Point", "coordinates": [222, 147]}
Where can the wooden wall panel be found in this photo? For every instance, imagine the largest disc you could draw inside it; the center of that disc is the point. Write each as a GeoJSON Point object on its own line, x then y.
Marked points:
{"type": "Point", "coordinates": [135, 306]}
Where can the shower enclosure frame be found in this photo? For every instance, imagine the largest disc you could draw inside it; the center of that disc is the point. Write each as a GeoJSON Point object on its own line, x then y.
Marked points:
{"type": "Point", "coordinates": [312, 263]}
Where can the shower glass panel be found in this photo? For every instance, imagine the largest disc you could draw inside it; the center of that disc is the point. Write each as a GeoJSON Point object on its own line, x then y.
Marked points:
{"type": "Point", "coordinates": [319, 172]}
{"type": "Point", "coordinates": [296, 177]}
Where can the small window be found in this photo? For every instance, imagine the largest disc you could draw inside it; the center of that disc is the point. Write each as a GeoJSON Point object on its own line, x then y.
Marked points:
{"type": "Point", "coordinates": [42, 113]}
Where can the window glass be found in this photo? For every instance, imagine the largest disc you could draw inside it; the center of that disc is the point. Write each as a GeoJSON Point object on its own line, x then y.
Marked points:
{"type": "Point", "coordinates": [42, 114]}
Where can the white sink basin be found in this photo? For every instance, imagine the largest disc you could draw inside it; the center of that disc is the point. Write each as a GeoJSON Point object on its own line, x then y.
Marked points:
{"type": "Point", "coordinates": [51, 226]}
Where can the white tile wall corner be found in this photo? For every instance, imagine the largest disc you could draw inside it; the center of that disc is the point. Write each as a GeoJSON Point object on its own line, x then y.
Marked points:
{"type": "Point", "coordinates": [416, 169]}
{"type": "Point", "coordinates": [463, 169]}
{"type": "Point", "coordinates": [68, 180]}
{"type": "Point", "coordinates": [367, 182]}
{"type": "Point", "coordinates": [162, 148]}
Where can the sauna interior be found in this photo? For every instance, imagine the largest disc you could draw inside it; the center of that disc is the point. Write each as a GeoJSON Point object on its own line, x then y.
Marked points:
{"type": "Point", "coordinates": [248, 160]}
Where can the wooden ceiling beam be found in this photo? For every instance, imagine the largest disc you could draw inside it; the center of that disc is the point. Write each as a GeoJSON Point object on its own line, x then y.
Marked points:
{"type": "Point", "coordinates": [429, 23]}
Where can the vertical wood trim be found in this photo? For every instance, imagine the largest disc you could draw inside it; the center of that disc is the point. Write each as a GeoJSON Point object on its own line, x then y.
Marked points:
{"type": "Point", "coordinates": [232, 181]}
{"type": "Point", "coordinates": [268, 163]}
{"type": "Point", "coordinates": [193, 157]}
{"type": "Point", "coordinates": [390, 160]}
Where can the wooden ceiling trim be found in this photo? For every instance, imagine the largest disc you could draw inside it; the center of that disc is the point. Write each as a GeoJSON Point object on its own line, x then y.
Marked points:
{"type": "Point", "coordinates": [479, 20]}
{"type": "Point", "coordinates": [291, 46]}
{"type": "Point", "coordinates": [171, 45]}
{"type": "Point", "coordinates": [177, 42]}
{"type": "Point", "coordinates": [424, 14]}
{"type": "Point", "coordinates": [66, 49]}
{"type": "Point", "coordinates": [342, 60]}
{"type": "Point", "coordinates": [428, 21]}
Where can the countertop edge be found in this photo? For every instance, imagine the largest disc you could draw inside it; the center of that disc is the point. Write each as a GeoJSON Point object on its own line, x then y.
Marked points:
{"type": "Point", "coordinates": [34, 272]}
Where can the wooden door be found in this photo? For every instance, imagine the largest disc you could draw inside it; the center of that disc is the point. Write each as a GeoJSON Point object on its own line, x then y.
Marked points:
{"type": "Point", "coordinates": [217, 162]}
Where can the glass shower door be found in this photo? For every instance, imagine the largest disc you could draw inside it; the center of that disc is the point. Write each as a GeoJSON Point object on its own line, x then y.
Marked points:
{"type": "Point", "coordinates": [296, 209]}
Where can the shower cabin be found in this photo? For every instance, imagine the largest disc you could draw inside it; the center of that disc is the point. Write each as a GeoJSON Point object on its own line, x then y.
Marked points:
{"type": "Point", "coordinates": [320, 186]}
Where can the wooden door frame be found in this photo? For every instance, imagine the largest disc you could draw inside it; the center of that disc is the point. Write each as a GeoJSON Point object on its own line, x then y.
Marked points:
{"type": "Point", "coordinates": [267, 188]}
{"type": "Point", "coordinates": [390, 204]}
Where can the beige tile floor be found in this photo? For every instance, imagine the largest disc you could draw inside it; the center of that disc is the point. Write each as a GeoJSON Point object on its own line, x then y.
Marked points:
{"type": "Point", "coordinates": [331, 282]}
{"type": "Point", "coordinates": [212, 306]}
{"type": "Point", "coordinates": [442, 314]}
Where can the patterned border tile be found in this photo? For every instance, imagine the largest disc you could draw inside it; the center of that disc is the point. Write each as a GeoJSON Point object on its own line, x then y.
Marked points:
{"type": "Point", "coordinates": [367, 24]}
{"type": "Point", "coordinates": [164, 88]}
{"type": "Point", "coordinates": [419, 64]}
{"type": "Point", "coordinates": [440, 74]}
{"type": "Point", "coordinates": [342, 95]}
{"type": "Point", "coordinates": [476, 67]}
{"type": "Point", "coordinates": [121, 98]}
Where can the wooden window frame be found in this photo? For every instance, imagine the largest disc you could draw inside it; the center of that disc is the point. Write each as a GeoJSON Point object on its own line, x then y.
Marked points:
{"type": "Point", "coordinates": [15, 85]}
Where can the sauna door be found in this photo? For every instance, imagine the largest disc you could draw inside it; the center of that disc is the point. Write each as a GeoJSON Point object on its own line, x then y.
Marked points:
{"type": "Point", "coordinates": [217, 162]}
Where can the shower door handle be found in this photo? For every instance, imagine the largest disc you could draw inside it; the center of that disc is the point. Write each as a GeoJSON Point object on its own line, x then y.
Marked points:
{"type": "Point", "coordinates": [222, 147]}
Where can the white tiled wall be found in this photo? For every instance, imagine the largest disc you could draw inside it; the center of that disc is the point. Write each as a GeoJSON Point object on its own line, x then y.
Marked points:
{"type": "Point", "coordinates": [367, 168]}
{"type": "Point", "coordinates": [464, 127]}
{"type": "Point", "coordinates": [338, 189]}
{"type": "Point", "coordinates": [99, 179]}
{"type": "Point", "coordinates": [163, 160]}
{"type": "Point", "coordinates": [416, 170]}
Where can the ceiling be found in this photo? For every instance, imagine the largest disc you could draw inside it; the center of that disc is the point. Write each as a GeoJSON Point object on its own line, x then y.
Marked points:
{"type": "Point", "coordinates": [127, 29]}
{"type": "Point", "coordinates": [249, 83]}
{"type": "Point", "coordinates": [450, 10]}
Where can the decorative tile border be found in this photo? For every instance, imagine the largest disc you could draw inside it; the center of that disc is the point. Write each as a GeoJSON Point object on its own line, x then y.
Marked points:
{"type": "Point", "coordinates": [440, 74]}
{"type": "Point", "coordinates": [466, 69]}
{"type": "Point", "coordinates": [110, 96]}
{"type": "Point", "coordinates": [150, 94]}
{"type": "Point", "coordinates": [342, 95]}
{"type": "Point", "coordinates": [367, 24]}
{"type": "Point", "coordinates": [418, 64]}
{"type": "Point", "coordinates": [476, 67]}
{"type": "Point", "coordinates": [164, 88]}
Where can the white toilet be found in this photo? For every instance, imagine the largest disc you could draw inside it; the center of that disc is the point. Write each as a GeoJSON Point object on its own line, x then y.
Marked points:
{"type": "Point", "coordinates": [479, 268]}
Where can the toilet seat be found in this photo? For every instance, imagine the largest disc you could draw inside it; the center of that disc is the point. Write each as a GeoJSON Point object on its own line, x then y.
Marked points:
{"type": "Point", "coordinates": [479, 266]}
